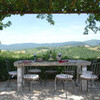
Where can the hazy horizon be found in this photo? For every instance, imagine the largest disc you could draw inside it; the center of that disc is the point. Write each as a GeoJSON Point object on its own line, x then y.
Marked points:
{"type": "Point", "coordinates": [51, 43]}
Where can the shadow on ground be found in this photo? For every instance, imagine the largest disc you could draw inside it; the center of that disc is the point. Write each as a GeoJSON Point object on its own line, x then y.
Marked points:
{"type": "Point", "coordinates": [47, 92]}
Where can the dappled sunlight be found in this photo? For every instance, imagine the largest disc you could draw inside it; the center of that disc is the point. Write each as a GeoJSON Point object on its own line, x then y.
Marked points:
{"type": "Point", "coordinates": [7, 92]}
{"type": "Point", "coordinates": [73, 97]}
{"type": "Point", "coordinates": [47, 92]}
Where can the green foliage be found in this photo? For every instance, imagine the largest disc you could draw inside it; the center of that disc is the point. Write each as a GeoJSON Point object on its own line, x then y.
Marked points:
{"type": "Point", "coordinates": [2, 25]}
{"type": "Point", "coordinates": [3, 69]}
{"type": "Point", "coordinates": [39, 48]}
{"type": "Point", "coordinates": [91, 23]}
{"type": "Point", "coordinates": [48, 17]}
{"type": "Point", "coordinates": [45, 8]}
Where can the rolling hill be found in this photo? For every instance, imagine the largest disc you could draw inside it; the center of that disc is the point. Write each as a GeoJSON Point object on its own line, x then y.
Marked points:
{"type": "Point", "coordinates": [21, 46]}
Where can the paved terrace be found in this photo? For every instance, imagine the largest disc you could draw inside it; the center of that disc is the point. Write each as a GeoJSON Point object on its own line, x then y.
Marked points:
{"type": "Point", "coordinates": [47, 92]}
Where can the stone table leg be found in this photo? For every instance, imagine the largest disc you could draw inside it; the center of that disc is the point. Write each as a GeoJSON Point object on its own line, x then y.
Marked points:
{"type": "Point", "coordinates": [84, 85]}
{"type": "Point", "coordinates": [84, 69]}
{"type": "Point", "coordinates": [23, 72]}
{"type": "Point", "coordinates": [84, 82]}
{"type": "Point", "coordinates": [19, 78]}
{"type": "Point", "coordinates": [78, 71]}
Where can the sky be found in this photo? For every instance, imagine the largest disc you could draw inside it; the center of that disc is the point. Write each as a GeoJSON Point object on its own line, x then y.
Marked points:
{"type": "Point", "coordinates": [29, 29]}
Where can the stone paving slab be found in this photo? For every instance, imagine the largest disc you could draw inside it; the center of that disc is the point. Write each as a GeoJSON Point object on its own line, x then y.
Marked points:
{"type": "Point", "coordinates": [47, 92]}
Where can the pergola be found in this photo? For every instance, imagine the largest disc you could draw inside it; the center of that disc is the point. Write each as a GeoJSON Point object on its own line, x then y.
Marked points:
{"type": "Point", "coordinates": [49, 6]}
{"type": "Point", "coordinates": [41, 7]}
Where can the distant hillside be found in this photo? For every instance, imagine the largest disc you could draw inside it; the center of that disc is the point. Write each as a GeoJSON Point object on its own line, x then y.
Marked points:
{"type": "Point", "coordinates": [92, 42]}
{"type": "Point", "coordinates": [35, 45]}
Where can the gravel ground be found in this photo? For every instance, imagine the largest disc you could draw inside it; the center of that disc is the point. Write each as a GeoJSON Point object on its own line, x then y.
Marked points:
{"type": "Point", "coordinates": [47, 92]}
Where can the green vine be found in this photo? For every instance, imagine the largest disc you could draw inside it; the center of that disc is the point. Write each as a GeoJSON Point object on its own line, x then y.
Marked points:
{"type": "Point", "coordinates": [45, 9]}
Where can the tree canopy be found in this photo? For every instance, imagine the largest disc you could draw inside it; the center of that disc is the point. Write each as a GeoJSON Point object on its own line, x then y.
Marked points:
{"type": "Point", "coordinates": [45, 9]}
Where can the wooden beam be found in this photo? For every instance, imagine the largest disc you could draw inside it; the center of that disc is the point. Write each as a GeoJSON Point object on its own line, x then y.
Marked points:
{"type": "Point", "coordinates": [59, 12]}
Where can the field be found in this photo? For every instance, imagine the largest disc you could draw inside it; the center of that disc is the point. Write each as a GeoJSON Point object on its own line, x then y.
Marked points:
{"type": "Point", "coordinates": [67, 52]}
